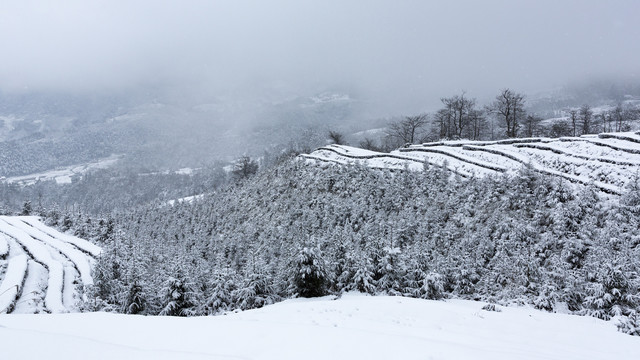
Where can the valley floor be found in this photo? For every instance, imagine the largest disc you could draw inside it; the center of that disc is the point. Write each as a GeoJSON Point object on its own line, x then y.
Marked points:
{"type": "Point", "coordinates": [353, 327]}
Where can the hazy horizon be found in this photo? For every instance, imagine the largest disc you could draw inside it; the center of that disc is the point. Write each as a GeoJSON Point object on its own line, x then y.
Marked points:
{"type": "Point", "coordinates": [403, 55]}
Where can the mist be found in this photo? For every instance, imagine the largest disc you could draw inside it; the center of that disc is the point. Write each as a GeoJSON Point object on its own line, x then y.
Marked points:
{"type": "Point", "coordinates": [402, 56]}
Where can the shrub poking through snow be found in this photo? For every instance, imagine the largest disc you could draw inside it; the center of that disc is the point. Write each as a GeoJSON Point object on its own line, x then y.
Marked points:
{"type": "Point", "coordinates": [491, 307]}
{"type": "Point", "coordinates": [432, 286]}
{"type": "Point", "coordinates": [630, 324]}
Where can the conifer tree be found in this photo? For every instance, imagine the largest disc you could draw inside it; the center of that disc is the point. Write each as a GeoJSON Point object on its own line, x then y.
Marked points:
{"type": "Point", "coordinates": [135, 302]}
{"type": "Point", "coordinates": [177, 295]}
{"type": "Point", "coordinates": [310, 277]}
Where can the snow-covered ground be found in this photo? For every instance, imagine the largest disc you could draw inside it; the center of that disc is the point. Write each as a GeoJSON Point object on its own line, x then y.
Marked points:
{"type": "Point", "coordinates": [353, 327]}
{"type": "Point", "coordinates": [63, 175]}
{"type": "Point", "coordinates": [607, 161]}
{"type": "Point", "coordinates": [188, 200]}
{"type": "Point", "coordinates": [43, 268]}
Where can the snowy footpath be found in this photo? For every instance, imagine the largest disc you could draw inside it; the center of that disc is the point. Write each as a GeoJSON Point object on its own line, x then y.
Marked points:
{"type": "Point", "coordinates": [353, 327]}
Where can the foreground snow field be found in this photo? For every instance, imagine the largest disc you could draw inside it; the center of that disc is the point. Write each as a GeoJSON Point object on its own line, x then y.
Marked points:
{"type": "Point", "coordinates": [353, 327]}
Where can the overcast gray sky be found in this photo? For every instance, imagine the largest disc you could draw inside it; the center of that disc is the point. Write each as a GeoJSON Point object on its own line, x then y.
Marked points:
{"type": "Point", "coordinates": [406, 52]}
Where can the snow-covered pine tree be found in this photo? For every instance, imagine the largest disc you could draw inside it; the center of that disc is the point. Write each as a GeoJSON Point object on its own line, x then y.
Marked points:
{"type": "Point", "coordinates": [614, 293]}
{"type": "Point", "coordinates": [255, 292]}
{"type": "Point", "coordinates": [106, 292]}
{"type": "Point", "coordinates": [363, 274]}
{"type": "Point", "coordinates": [310, 274]}
{"type": "Point", "coordinates": [177, 296]}
{"type": "Point", "coordinates": [219, 298]}
{"type": "Point", "coordinates": [135, 301]}
{"type": "Point", "coordinates": [26, 208]}
{"type": "Point", "coordinates": [343, 266]}
{"type": "Point", "coordinates": [432, 286]}
{"type": "Point", "coordinates": [392, 271]}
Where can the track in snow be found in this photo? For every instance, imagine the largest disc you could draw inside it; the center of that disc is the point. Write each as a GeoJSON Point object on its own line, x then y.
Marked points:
{"type": "Point", "coordinates": [42, 267]}
{"type": "Point", "coordinates": [606, 161]}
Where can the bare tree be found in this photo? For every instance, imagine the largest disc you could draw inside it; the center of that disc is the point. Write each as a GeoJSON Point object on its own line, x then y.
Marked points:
{"type": "Point", "coordinates": [509, 107]}
{"type": "Point", "coordinates": [531, 125]}
{"type": "Point", "coordinates": [560, 128]}
{"type": "Point", "coordinates": [621, 117]}
{"type": "Point", "coordinates": [455, 108]}
{"type": "Point", "coordinates": [460, 118]}
{"type": "Point", "coordinates": [444, 122]}
{"type": "Point", "coordinates": [478, 125]}
{"type": "Point", "coordinates": [603, 119]}
{"type": "Point", "coordinates": [370, 144]}
{"type": "Point", "coordinates": [456, 118]}
{"type": "Point", "coordinates": [337, 138]}
{"type": "Point", "coordinates": [618, 116]}
{"type": "Point", "coordinates": [573, 117]}
{"type": "Point", "coordinates": [586, 117]}
{"type": "Point", "coordinates": [409, 130]}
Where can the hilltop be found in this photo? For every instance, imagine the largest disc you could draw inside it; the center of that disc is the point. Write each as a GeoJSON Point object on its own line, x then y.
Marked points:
{"type": "Point", "coordinates": [607, 161]}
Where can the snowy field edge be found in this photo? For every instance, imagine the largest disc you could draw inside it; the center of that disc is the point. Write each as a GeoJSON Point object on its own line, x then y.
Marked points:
{"type": "Point", "coordinates": [353, 327]}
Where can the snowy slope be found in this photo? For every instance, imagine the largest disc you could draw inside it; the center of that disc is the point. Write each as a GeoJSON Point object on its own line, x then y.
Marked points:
{"type": "Point", "coordinates": [354, 327]}
{"type": "Point", "coordinates": [607, 161]}
{"type": "Point", "coordinates": [43, 267]}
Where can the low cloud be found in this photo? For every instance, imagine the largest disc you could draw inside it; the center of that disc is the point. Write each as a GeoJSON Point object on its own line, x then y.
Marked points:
{"type": "Point", "coordinates": [407, 54]}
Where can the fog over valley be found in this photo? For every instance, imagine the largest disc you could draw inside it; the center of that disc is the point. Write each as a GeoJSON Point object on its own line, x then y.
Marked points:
{"type": "Point", "coordinates": [399, 57]}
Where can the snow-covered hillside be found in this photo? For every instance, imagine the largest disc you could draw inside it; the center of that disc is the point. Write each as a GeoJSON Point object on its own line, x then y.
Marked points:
{"type": "Point", "coordinates": [42, 269]}
{"type": "Point", "coordinates": [608, 160]}
{"type": "Point", "coordinates": [353, 327]}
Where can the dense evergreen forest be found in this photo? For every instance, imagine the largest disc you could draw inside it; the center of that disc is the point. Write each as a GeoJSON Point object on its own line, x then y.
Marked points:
{"type": "Point", "coordinates": [299, 229]}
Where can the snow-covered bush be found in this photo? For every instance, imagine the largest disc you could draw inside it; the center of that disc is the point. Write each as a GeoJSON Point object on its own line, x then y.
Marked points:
{"type": "Point", "coordinates": [630, 324]}
{"type": "Point", "coordinates": [491, 307]}
{"type": "Point", "coordinates": [255, 292]}
{"type": "Point", "coordinates": [432, 286]}
{"type": "Point", "coordinates": [546, 299]}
